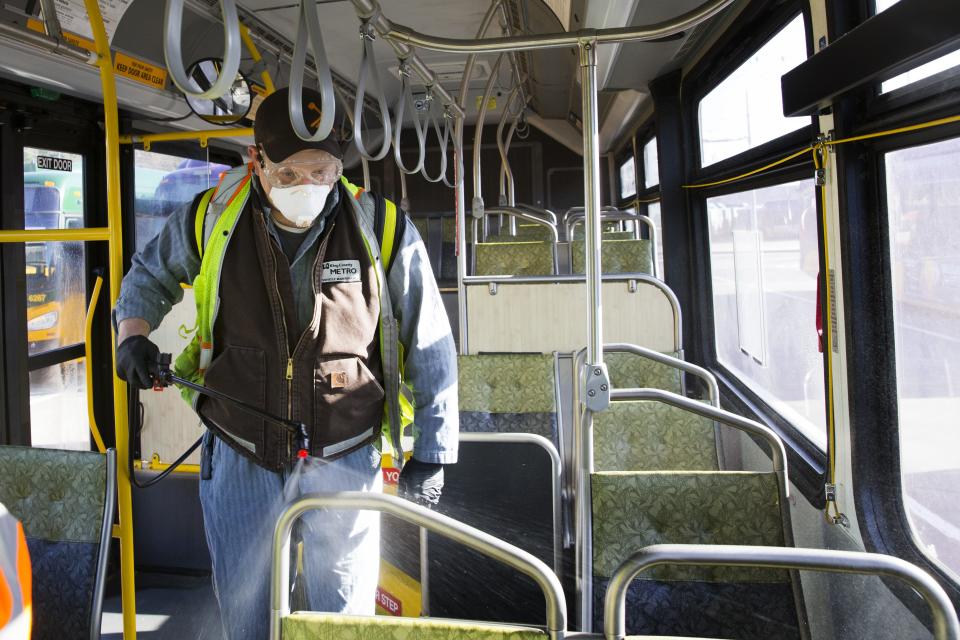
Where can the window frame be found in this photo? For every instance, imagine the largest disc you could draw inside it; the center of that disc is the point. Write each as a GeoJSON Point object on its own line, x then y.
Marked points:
{"type": "Point", "coordinates": [880, 505]}
{"type": "Point", "coordinates": [869, 318]}
{"type": "Point", "coordinates": [757, 24]}
{"type": "Point", "coordinates": [937, 87]}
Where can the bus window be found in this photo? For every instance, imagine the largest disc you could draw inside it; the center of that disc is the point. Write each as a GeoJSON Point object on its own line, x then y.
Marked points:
{"type": "Point", "coordinates": [628, 178]}
{"type": "Point", "coordinates": [916, 74]}
{"type": "Point", "coordinates": [923, 204]}
{"type": "Point", "coordinates": [56, 297]}
{"type": "Point", "coordinates": [163, 184]}
{"type": "Point", "coordinates": [651, 167]}
{"type": "Point", "coordinates": [746, 109]}
{"type": "Point", "coordinates": [653, 212]}
{"type": "Point", "coordinates": [764, 264]}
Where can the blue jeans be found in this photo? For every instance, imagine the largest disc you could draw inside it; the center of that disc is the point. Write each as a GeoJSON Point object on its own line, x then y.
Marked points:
{"type": "Point", "coordinates": [341, 549]}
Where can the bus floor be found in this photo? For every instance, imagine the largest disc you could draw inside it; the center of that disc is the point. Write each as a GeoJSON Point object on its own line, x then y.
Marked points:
{"type": "Point", "coordinates": [169, 607]}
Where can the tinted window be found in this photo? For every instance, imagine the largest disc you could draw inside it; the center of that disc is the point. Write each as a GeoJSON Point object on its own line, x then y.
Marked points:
{"type": "Point", "coordinates": [764, 262]}
{"type": "Point", "coordinates": [923, 205]}
{"type": "Point", "coordinates": [746, 109]}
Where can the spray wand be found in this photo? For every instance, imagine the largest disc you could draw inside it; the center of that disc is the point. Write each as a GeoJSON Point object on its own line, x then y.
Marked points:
{"type": "Point", "coordinates": [166, 377]}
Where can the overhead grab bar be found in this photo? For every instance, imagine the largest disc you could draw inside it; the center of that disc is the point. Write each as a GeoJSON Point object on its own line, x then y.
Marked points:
{"type": "Point", "coordinates": [173, 54]}
{"type": "Point", "coordinates": [533, 42]}
{"type": "Point", "coordinates": [406, 95]}
{"type": "Point", "coordinates": [441, 140]}
{"type": "Point", "coordinates": [945, 625]}
{"type": "Point", "coordinates": [368, 66]}
{"type": "Point", "coordinates": [310, 28]}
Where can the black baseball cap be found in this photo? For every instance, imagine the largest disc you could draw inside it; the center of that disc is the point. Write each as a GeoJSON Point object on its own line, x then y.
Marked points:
{"type": "Point", "coordinates": [273, 132]}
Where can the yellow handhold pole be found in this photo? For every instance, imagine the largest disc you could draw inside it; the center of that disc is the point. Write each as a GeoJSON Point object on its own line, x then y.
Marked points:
{"type": "Point", "coordinates": [111, 127]}
{"type": "Point", "coordinates": [255, 54]}
{"type": "Point", "coordinates": [88, 353]}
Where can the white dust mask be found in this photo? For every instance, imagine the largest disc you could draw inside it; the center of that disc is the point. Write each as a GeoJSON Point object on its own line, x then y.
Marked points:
{"type": "Point", "coordinates": [300, 203]}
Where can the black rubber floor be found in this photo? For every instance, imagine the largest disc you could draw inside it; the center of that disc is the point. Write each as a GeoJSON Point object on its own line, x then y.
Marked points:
{"type": "Point", "coordinates": [168, 608]}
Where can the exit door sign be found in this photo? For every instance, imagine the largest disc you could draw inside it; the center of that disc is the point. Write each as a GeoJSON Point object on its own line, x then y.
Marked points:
{"type": "Point", "coordinates": [54, 164]}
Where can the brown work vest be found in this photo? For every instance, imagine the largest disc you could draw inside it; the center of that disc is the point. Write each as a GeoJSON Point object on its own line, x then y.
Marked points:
{"type": "Point", "coordinates": [330, 377]}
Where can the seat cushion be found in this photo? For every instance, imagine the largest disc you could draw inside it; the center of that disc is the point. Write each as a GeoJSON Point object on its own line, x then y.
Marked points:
{"type": "Point", "coordinates": [331, 626]}
{"type": "Point", "coordinates": [617, 256]}
{"type": "Point", "coordinates": [633, 510]}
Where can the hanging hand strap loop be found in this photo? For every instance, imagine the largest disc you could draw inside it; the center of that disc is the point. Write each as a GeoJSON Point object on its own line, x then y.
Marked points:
{"type": "Point", "coordinates": [442, 139]}
{"type": "Point", "coordinates": [173, 55]}
{"type": "Point", "coordinates": [368, 66]}
{"type": "Point", "coordinates": [310, 28]}
{"type": "Point", "coordinates": [449, 137]}
{"type": "Point", "coordinates": [406, 96]}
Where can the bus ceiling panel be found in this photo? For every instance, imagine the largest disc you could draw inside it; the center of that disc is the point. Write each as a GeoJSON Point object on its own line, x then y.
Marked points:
{"type": "Point", "coordinates": [878, 49]}
{"type": "Point", "coordinates": [634, 65]}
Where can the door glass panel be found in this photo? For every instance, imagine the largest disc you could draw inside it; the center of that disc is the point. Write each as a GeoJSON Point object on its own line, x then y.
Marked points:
{"type": "Point", "coordinates": [56, 287]}
{"type": "Point", "coordinates": [165, 183]}
{"type": "Point", "coordinates": [764, 263]}
{"type": "Point", "coordinates": [58, 406]}
{"type": "Point", "coordinates": [922, 191]}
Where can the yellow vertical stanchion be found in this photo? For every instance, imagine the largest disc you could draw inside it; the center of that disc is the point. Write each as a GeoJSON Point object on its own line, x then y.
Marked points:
{"type": "Point", "coordinates": [112, 134]}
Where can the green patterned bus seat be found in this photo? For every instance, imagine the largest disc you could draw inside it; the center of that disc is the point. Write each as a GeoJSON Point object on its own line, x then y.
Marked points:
{"type": "Point", "coordinates": [514, 258]}
{"type": "Point", "coordinates": [652, 436]}
{"type": "Point", "coordinates": [448, 229]}
{"type": "Point", "coordinates": [422, 225]}
{"type": "Point", "coordinates": [331, 626]}
{"type": "Point", "coordinates": [59, 497]}
{"type": "Point", "coordinates": [508, 393]}
{"type": "Point", "coordinates": [634, 509]}
{"type": "Point", "coordinates": [609, 228]}
{"type": "Point", "coordinates": [617, 256]}
{"type": "Point", "coordinates": [629, 370]}
{"type": "Point", "coordinates": [525, 233]}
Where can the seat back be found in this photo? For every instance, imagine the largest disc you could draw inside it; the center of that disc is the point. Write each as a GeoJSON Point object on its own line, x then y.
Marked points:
{"type": "Point", "coordinates": [628, 370]}
{"type": "Point", "coordinates": [509, 393]}
{"type": "Point", "coordinates": [617, 256]}
{"type": "Point", "coordinates": [515, 258]}
{"type": "Point", "coordinates": [64, 499]}
{"type": "Point", "coordinates": [652, 436]}
{"type": "Point", "coordinates": [525, 233]}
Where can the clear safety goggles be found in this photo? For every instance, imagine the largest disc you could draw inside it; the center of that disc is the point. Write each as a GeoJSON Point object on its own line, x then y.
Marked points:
{"type": "Point", "coordinates": [288, 174]}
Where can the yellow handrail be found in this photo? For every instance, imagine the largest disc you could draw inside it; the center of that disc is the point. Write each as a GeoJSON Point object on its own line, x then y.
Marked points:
{"type": "Point", "coordinates": [55, 235]}
{"type": "Point", "coordinates": [111, 122]}
{"type": "Point", "coordinates": [88, 354]}
{"type": "Point", "coordinates": [202, 136]}
{"type": "Point", "coordinates": [255, 54]}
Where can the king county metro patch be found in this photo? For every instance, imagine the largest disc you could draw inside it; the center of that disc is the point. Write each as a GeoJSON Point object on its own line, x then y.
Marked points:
{"type": "Point", "coordinates": [341, 271]}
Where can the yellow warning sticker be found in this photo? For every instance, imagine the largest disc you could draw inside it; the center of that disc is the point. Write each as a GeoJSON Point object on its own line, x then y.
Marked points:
{"type": "Point", "coordinates": [72, 38]}
{"type": "Point", "coordinates": [491, 103]}
{"type": "Point", "coordinates": [144, 72]}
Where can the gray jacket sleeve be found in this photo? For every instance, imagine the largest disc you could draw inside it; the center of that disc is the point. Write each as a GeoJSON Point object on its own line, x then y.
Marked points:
{"type": "Point", "coordinates": [430, 366]}
{"type": "Point", "coordinates": [152, 286]}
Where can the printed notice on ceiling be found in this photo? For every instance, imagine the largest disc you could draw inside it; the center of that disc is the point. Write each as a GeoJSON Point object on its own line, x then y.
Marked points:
{"type": "Point", "coordinates": [73, 16]}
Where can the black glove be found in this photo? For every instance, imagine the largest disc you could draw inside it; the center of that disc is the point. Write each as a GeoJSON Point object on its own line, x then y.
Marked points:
{"type": "Point", "coordinates": [421, 482]}
{"type": "Point", "coordinates": [137, 362]}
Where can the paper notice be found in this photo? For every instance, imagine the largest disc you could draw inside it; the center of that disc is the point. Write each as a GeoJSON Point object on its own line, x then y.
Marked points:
{"type": "Point", "coordinates": [73, 16]}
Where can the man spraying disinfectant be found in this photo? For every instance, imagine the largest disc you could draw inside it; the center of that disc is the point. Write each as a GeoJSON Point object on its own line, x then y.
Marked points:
{"type": "Point", "coordinates": [312, 295]}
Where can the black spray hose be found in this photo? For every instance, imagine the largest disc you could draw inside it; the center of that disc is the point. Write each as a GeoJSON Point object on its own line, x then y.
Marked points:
{"type": "Point", "coordinates": [165, 377]}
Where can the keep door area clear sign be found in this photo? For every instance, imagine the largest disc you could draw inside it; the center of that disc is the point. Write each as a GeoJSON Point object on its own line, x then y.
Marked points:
{"type": "Point", "coordinates": [54, 164]}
